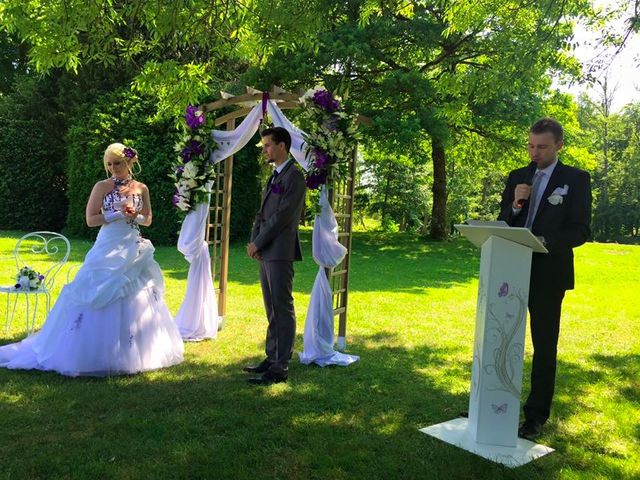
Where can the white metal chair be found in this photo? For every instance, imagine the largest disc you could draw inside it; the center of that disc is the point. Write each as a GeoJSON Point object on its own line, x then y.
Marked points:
{"type": "Point", "coordinates": [46, 253]}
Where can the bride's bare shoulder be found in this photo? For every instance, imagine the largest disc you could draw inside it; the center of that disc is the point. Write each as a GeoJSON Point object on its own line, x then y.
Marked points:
{"type": "Point", "coordinates": [139, 186]}
{"type": "Point", "coordinates": [104, 185]}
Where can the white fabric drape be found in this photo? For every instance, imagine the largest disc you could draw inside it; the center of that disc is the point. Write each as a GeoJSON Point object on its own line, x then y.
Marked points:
{"type": "Point", "coordinates": [198, 317]}
{"type": "Point", "coordinates": [229, 142]}
{"type": "Point", "coordinates": [298, 145]}
{"type": "Point", "coordinates": [328, 252]}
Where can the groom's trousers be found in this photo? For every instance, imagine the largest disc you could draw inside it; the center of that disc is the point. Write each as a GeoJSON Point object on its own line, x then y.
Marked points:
{"type": "Point", "coordinates": [276, 280]}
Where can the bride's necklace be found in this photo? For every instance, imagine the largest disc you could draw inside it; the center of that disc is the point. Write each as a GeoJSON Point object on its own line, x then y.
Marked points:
{"type": "Point", "coordinates": [121, 182]}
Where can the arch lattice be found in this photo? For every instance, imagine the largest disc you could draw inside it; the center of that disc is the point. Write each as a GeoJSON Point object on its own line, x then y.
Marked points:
{"type": "Point", "coordinates": [341, 195]}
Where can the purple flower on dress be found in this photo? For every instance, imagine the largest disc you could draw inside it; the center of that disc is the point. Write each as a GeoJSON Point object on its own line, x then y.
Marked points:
{"type": "Point", "coordinates": [194, 117]}
{"type": "Point", "coordinates": [321, 158]}
{"type": "Point", "coordinates": [324, 99]}
{"type": "Point", "coordinates": [316, 179]}
{"type": "Point", "coordinates": [504, 290]}
{"type": "Point", "coordinates": [40, 277]}
{"type": "Point", "coordinates": [129, 152]}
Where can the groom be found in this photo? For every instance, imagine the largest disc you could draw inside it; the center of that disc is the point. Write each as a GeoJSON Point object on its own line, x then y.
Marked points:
{"type": "Point", "coordinates": [275, 244]}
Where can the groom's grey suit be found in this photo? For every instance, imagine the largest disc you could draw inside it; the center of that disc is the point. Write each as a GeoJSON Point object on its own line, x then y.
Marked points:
{"type": "Point", "coordinates": [275, 234]}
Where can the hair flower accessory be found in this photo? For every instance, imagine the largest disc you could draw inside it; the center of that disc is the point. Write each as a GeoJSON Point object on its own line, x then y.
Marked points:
{"type": "Point", "coordinates": [129, 152]}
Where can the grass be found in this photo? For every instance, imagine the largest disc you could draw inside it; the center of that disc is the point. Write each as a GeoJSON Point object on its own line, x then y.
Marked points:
{"type": "Point", "coordinates": [411, 319]}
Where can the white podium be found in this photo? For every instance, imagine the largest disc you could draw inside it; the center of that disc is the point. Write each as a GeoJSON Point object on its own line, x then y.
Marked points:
{"type": "Point", "coordinates": [491, 430]}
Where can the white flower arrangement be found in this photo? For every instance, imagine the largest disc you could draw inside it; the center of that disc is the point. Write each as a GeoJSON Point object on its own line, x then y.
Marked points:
{"type": "Point", "coordinates": [28, 279]}
{"type": "Point", "coordinates": [193, 171]}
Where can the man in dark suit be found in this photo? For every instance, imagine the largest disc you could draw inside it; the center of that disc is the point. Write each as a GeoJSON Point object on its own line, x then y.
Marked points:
{"type": "Point", "coordinates": [554, 201]}
{"type": "Point", "coordinates": [276, 245]}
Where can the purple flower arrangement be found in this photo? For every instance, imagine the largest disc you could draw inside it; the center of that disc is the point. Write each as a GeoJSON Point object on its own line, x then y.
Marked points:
{"type": "Point", "coordinates": [194, 117]}
{"type": "Point", "coordinates": [316, 178]}
{"type": "Point", "coordinates": [330, 135]}
{"type": "Point", "coordinates": [193, 148]}
{"type": "Point", "coordinates": [192, 170]}
{"type": "Point", "coordinates": [324, 99]}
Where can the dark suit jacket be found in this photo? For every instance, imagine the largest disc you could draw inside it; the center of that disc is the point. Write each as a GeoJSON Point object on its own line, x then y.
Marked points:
{"type": "Point", "coordinates": [563, 226]}
{"type": "Point", "coordinates": [275, 229]}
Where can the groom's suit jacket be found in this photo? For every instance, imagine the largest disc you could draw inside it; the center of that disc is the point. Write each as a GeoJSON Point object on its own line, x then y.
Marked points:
{"type": "Point", "coordinates": [275, 229]}
{"type": "Point", "coordinates": [563, 220]}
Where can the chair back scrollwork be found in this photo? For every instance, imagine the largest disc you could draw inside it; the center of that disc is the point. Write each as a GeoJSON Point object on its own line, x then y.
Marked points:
{"type": "Point", "coordinates": [45, 252]}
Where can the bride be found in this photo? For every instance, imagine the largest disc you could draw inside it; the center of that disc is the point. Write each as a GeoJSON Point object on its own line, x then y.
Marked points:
{"type": "Point", "coordinates": [112, 319]}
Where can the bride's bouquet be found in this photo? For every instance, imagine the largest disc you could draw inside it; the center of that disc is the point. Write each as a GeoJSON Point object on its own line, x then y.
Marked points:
{"type": "Point", "coordinates": [28, 279]}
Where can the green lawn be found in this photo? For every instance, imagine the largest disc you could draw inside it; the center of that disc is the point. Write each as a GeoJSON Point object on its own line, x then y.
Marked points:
{"type": "Point", "coordinates": [411, 319]}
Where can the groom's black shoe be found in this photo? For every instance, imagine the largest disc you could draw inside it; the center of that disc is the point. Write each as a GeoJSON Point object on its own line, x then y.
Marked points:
{"type": "Point", "coordinates": [530, 429]}
{"type": "Point", "coordinates": [262, 367]}
{"type": "Point", "coordinates": [269, 377]}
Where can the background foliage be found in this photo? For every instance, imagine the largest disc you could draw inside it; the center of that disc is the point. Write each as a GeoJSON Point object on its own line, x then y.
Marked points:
{"type": "Point", "coordinates": [121, 116]}
{"type": "Point", "coordinates": [451, 88]}
{"type": "Point", "coordinates": [33, 181]}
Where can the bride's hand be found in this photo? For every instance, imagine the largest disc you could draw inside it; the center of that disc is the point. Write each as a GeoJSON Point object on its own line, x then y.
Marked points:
{"type": "Point", "coordinates": [130, 212]}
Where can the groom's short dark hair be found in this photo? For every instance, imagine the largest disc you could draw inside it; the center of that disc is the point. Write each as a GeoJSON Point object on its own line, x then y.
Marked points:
{"type": "Point", "coordinates": [279, 135]}
{"type": "Point", "coordinates": [550, 125]}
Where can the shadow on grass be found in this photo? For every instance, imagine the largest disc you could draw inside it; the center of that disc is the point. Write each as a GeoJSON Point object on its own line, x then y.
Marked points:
{"type": "Point", "coordinates": [201, 419]}
{"type": "Point", "coordinates": [396, 263]}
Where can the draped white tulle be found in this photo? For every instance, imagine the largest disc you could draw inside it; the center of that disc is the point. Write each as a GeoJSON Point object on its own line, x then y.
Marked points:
{"type": "Point", "coordinates": [328, 252]}
{"type": "Point", "coordinates": [112, 319]}
{"type": "Point", "coordinates": [229, 142]}
{"type": "Point", "coordinates": [198, 317]}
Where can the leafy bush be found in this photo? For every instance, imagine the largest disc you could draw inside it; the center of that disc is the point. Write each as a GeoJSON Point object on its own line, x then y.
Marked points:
{"type": "Point", "coordinates": [32, 184]}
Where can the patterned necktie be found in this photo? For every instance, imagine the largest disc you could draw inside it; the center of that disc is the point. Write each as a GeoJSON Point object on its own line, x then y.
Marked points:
{"type": "Point", "coordinates": [533, 198]}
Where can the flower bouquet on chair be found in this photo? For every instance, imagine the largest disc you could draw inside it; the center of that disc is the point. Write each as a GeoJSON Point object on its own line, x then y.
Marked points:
{"type": "Point", "coordinates": [28, 279]}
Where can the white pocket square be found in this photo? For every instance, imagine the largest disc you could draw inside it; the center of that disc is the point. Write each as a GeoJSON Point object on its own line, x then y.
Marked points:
{"type": "Point", "coordinates": [561, 190]}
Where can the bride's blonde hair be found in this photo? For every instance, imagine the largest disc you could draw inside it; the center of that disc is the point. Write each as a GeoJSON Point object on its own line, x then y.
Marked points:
{"type": "Point", "coordinates": [118, 150]}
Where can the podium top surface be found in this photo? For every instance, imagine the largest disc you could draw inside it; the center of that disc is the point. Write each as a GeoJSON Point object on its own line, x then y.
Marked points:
{"type": "Point", "coordinates": [480, 232]}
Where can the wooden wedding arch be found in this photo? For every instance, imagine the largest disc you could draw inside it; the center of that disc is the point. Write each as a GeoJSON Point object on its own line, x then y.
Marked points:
{"type": "Point", "coordinates": [341, 195]}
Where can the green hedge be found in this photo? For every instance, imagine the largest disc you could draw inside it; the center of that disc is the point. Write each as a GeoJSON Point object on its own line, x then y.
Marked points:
{"type": "Point", "coordinates": [32, 176]}
{"type": "Point", "coordinates": [121, 116]}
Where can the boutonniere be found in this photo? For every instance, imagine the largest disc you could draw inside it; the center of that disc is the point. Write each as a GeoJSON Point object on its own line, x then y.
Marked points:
{"type": "Point", "coordinates": [557, 196]}
{"type": "Point", "coordinates": [276, 188]}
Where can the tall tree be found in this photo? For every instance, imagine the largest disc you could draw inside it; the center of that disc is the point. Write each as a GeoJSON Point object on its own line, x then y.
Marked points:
{"type": "Point", "coordinates": [438, 68]}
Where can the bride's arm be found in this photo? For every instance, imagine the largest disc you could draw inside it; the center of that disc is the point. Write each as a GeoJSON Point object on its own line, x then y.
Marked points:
{"type": "Point", "coordinates": [94, 204]}
{"type": "Point", "coordinates": [146, 208]}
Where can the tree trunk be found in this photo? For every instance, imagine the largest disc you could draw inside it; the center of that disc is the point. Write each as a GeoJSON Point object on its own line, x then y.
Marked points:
{"type": "Point", "coordinates": [439, 210]}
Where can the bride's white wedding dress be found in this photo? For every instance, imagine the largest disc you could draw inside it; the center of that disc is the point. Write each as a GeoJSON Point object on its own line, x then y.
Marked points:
{"type": "Point", "coordinates": [112, 319]}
